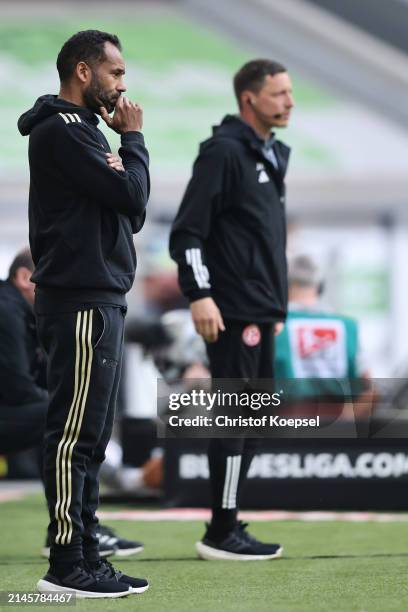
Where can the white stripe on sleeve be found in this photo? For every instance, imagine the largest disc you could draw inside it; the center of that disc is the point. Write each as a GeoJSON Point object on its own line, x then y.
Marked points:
{"type": "Point", "coordinates": [201, 274]}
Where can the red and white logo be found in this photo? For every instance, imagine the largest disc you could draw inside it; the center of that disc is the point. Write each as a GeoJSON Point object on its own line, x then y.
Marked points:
{"type": "Point", "coordinates": [251, 335]}
{"type": "Point", "coordinates": [314, 339]}
{"type": "Point", "coordinates": [318, 347]}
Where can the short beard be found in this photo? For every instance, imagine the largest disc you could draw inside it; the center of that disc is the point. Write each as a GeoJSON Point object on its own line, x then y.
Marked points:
{"type": "Point", "coordinates": [95, 97]}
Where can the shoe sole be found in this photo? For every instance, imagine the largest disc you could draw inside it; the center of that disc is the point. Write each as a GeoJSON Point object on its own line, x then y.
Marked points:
{"type": "Point", "coordinates": [139, 589]}
{"type": "Point", "coordinates": [215, 554]}
{"type": "Point", "coordinates": [127, 552]}
{"type": "Point", "coordinates": [105, 553]}
{"type": "Point", "coordinates": [49, 587]}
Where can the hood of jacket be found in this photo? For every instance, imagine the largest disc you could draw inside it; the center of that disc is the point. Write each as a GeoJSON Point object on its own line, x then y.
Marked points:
{"type": "Point", "coordinates": [49, 105]}
{"type": "Point", "coordinates": [232, 126]}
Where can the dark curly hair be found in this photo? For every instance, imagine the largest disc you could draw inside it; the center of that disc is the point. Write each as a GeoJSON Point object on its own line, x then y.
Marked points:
{"type": "Point", "coordinates": [86, 46]}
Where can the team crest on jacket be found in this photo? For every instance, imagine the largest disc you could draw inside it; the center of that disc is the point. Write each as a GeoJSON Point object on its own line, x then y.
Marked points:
{"type": "Point", "coordinates": [251, 335]}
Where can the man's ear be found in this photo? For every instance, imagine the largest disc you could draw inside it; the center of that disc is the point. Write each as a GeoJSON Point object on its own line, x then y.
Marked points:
{"type": "Point", "coordinates": [83, 72]}
{"type": "Point", "coordinates": [22, 278]}
{"type": "Point", "coordinates": [27, 276]}
{"type": "Point", "coordinates": [247, 98]}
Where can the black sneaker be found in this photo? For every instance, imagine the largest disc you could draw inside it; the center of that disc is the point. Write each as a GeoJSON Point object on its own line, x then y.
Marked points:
{"type": "Point", "coordinates": [123, 548]}
{"type": "Point", "coordinates": [106, 570]}
{"type": "Point", "coordinates": [106, 548]}
{"type": "Point", "coordinates": [238, 545]}
{"type": "Point", "coordinates": [84, 584]}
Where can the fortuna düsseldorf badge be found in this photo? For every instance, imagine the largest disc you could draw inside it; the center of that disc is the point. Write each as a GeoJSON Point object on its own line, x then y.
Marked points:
{"type": "Point", "coordinates": [251, 335]}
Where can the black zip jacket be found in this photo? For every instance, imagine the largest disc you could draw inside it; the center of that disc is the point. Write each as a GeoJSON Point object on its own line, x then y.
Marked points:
{"type": "Point", "coordinates": [229, 235]}
{"type": "Point", "coordinates": [20, 364]}
{"type": "Point", "coordinates": [82, 214]}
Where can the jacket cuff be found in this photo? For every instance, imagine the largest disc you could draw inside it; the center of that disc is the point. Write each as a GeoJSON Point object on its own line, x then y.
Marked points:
{"type": "Point", "coordinates": [198, 294]}
{"type": "Point", "coordinates": [131, 138]}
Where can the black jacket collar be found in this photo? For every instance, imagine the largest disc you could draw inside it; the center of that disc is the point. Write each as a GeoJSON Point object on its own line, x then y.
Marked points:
{"type": "Point", "coordinates": [232, 126]}
{"type": "Point", "coordinates": [49, 105]}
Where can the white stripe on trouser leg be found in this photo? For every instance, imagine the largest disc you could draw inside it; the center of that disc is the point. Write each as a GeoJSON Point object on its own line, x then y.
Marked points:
{"type": "Point", "coordinates": [65, 468]}
{"type": "Point", "coordinates": [58, 515]}
{"type": "Point", "coordinates": [79, 424]}
{"type": "Point", "coordinates": [226, 482]}
{"type": "Point", "coordinates": [86, 326]}
{"type": "Point", "coordinates": [229, 495]}
{"type": "Point", "coordinates": [236, 466]}
{"type": "Point", "coordinates": [83, 362]}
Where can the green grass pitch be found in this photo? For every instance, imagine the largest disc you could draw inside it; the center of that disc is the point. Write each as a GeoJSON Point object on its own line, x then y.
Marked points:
{"type": "Point", "coordinates": [327, 566]}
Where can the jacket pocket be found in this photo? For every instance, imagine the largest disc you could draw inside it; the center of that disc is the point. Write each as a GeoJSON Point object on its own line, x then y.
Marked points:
{"type": "Point", "coordinates": [255, 265]}
{"type": "Point", "coordinates": [100, 328]}
{"type": "Point", "coordinates": [121, 260]}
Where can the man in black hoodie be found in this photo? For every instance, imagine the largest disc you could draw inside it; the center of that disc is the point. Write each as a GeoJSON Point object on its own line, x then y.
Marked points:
{"type": "Point", "coordinates": [23, 402]}
{"type": "Point", "coordinates": [84, 206]}
{"type": "Point", "coordinates": [228, 240]}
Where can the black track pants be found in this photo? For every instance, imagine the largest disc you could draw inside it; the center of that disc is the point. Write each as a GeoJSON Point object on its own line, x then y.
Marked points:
{"type": "Point", "coordinates": [244, 350]}
{"type": "Point", "coordinates": [84, 352]}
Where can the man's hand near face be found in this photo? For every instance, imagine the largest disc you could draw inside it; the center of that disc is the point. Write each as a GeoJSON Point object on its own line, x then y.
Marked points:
{"type": "Point", "coordinates": [207, 319]}
{"type": "Point", "coordinates": [128, 117]}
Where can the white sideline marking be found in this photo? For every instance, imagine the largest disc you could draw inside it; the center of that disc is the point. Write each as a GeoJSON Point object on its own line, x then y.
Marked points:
{"type": "Point", "coordinates": [6, 496]}
{"type": "Point", "coordinates": [202, 514]}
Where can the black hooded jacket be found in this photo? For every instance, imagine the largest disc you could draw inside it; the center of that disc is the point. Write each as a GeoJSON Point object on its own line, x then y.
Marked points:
{"type": "Point", "coordinates": [82, 213]}
{"type": "Point", "coordinates": [229, 236]}
{"type": "Point", "coordinates": [21, 363]}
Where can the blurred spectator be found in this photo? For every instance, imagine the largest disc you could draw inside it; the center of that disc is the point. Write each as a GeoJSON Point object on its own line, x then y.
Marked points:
{"type": "Point", "coordinates": [23, 402]}
{"type": "Point", "coordinates": [320, 349]}
{"type": "Point", "coordinates": [185, 357]}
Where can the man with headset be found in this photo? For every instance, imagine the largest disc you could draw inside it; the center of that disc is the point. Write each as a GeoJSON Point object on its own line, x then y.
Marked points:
{"type": "Point", "coordinates": [228, 240]}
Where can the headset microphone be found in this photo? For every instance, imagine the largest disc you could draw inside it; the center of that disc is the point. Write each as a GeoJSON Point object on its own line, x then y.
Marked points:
{"type": "Point", "coordinates": [277, 116]}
